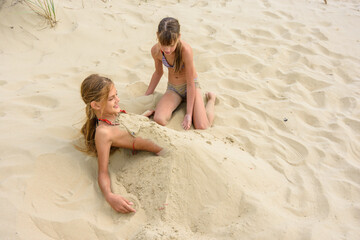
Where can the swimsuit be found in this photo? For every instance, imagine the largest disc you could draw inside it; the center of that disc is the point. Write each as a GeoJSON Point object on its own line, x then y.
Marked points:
{"type": "Point", "coordinates": [165, 62]}
{"type": "Point", "coordinates": [179, 89]}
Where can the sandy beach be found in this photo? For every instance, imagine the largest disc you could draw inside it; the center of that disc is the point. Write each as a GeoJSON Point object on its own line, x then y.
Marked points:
{"type": "Point", "coordinates": [282, 160]}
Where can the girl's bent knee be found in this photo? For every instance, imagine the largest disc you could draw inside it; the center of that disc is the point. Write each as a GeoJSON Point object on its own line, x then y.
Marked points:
{"type": "Point", "coordinates": [201, 126]}
{"type": "Point", "coordinates": [160, 120]}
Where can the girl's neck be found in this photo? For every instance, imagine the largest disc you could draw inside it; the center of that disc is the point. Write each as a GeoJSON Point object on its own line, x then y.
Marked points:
{"type": "Point", "coordinates": [109, 117]}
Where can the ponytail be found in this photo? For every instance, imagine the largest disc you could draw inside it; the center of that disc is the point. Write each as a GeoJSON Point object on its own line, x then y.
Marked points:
{"type": "Point", "coordinates": [88, 130]}
{"type": "Point", "coordinates": [93, 88]}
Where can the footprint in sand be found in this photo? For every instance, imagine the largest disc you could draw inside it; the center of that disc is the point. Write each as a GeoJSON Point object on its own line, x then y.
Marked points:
{"type": "Point", "coordinates": [306, 81]}
{"type": "Point", "coordinates": [62, 132]}
{"type": "Point", "coordinates": [266, 3]}
{"type": "Point", "coordinates": [311, 83]}
{"type": "Point", "coordinates": [294, 25]}
{"type": "Point", "coordinates": [136, 89]}
{"type": "Point", "coordinates": [238, 33]}
{"type": "Point", "coordinates": [272, 15]}
{"type": "Point", "coordinates": [220, 45]}
{"type": "Point", "coordinates": [224, 2]}
{"type": "Point", "coordinates": [282, 32]}
{"type": "Point", "coordinates": [42, 77]}
{"type": "Point", "coordinates": [118, 52]}
{"type": "Point", "coordinates": [261, 33]}
{"type": "Point", "coordinates": [3, 82]}
{"type": "Point", "coordinates": [333, 139]}
{"type": "Point", "coordinates": [318, 34]}
{"type": "Point", "coordinates": [229, 100]}
{"type": "Point", "coordinates": [292, 151]}
{"type": "Point", "coordinates": [302, 49]}
{"type": "Point", "coordinates": [41, 101]}
{"type": "Point", "coordinates": [319, 98]}
{"type": "Point", "coordinates": [135, 18]}
{"type": "Point", "coordinates": [343, 76]}
{"type": "Point", "coordinates": [110, 16]}
{"type": "Point", "coordinates": [234, 85]}
{"type": "Point", "coordinates": [258, 68]}
{"type": "Point", "coordinates": [237, 61]}
{"type": "Point", "coordinates": [348, 104]}
{"type": "Point", "coordinates": [353, 124]}
{"type": "Point", "coordinates": [290, 56]}
{"type": "Point", "coordinates": [307, 118]}
{"type": "Point", "coordinates": [326, 24]}
{"type": "Point", "coordinates": [305, 198]}
{"type": "Point", "coordinates": [288, 16]}
{"type": "Point", "coordinates": [209, 30]}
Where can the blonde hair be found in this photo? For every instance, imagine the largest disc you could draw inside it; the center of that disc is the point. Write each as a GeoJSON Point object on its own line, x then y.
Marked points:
{"type": "Point", "coordinates": [168, 33]}
{"type": "Point", "coordinates": [93, 88]}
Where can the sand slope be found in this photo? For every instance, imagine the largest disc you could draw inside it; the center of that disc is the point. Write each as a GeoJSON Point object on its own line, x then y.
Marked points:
{"type": "Point", "coordinates": [280, 162]}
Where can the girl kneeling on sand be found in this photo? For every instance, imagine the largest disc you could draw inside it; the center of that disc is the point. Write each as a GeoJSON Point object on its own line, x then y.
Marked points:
{"type": "Point", "coordinates": [104, 131]}
{"type": "Point", "coordinates": [183, 84]}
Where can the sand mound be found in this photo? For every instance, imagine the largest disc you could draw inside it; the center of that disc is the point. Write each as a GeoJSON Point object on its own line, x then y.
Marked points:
{"type": "Point", "coordinates": [280, 162]}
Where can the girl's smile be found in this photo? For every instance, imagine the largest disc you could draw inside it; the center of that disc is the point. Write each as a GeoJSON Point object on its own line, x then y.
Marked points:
{"type": "Point", "coordinates": [113, 102]}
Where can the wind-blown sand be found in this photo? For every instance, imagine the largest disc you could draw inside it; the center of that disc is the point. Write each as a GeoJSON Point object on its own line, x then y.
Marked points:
{"type": "Point", "coordinates": [280, 162]}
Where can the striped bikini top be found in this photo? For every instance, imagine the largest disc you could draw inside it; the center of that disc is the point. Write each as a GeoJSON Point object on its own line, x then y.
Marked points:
{"type": "Point", "coordinates": [165, 62]}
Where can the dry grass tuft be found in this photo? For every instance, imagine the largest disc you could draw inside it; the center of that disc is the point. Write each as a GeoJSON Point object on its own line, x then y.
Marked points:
{"type": "Point", "coordinates": [44, 8]}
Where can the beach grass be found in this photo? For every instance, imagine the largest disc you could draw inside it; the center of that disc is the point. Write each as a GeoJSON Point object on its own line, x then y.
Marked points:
{"type": "Point", "coordinates": [44, 8]}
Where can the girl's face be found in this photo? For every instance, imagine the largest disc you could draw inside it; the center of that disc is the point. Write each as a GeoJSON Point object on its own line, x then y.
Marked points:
{"type": "Point", "coordinates": [111, 106]}
{"type": "Point", "coordinates": [168, 50]}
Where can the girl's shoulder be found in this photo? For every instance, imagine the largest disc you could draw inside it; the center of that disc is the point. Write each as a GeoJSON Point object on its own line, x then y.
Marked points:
{"type": "Point", "coordinates": [155, 51]}
{"type": "Point", "coordinates": [186, 48]}
{"type": "Point", "coordinates": [103, 132]}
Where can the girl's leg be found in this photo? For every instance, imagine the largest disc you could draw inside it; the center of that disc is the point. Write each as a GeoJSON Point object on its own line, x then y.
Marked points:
{"type": "Point", "coordinates": [203, 116]}
{"type": "Point", "coordinates": [167, 104]}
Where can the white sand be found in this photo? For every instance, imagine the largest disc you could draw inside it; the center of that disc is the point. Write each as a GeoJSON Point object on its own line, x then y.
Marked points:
{"type": "Point", "coordinates": [253, 175]}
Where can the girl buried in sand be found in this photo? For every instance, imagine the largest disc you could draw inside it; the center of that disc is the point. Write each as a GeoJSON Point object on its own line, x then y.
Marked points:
{"type": "Point", "coordinates": [106, 129]}
{"type": "Point", "coordinates": [183, 84]}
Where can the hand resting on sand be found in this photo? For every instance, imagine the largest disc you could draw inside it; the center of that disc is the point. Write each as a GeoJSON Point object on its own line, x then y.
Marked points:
{"type": "Point", "coordinates": [119, 203]}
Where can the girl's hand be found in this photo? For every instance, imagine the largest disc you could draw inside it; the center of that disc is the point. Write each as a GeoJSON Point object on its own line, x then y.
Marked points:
{"type": "Point", "coordinates": [120, 204]}
{"type": "Point", "coordinates": [163, 152]}
{"type": "Point", "coordinates": [186, 124]}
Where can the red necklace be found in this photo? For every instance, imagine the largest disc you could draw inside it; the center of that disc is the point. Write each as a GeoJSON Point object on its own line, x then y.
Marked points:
{"type": "Point", "coordinates": [108, 122]}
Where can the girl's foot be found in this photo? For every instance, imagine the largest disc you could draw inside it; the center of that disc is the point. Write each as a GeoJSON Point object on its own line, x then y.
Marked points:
{"type": "Point", "coordinates": [148, 113]}
{"type": "Point", "coordinates": [210, 96]}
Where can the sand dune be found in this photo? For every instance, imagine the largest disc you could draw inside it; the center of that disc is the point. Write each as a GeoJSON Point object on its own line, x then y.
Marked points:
{"type": "Point", "coordinates": [280, 162]}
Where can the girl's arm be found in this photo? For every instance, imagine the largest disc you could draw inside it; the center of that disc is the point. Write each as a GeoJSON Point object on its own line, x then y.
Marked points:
{"type": "Point", "coordinates": [123, 139]}
{"type": "Point", "coordinates": [103, 144]}
{"type": "Point", "coordinates": [158, 71]}
{"type": "Point", "coordinates": [146, 145]}
{"type": "Point", "coordinates": [190, 87]}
